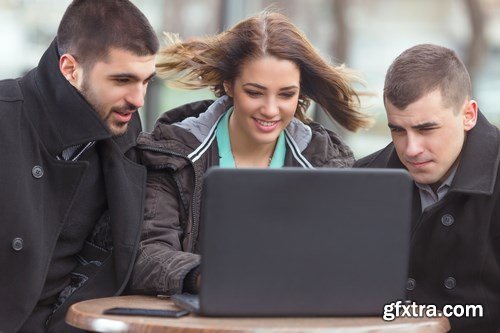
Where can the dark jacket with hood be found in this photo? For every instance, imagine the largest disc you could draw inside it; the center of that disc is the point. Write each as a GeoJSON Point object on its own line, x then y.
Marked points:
{"type": "Point", "coordinates": [41, 115]}
{"type": "Point", "coordinates": [455, 243]}
{"type": "Point", "coordinates": [177, 154]}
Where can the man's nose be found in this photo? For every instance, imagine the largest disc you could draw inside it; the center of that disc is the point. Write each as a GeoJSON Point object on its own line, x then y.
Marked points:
{"type": "Point", "coordinates": [136, 95]}
{"type": "Point", "coordinates": [414, 145]}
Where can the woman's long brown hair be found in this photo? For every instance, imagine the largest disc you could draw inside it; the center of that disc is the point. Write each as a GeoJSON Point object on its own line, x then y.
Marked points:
{"type": "Point", "coordinates": [209, 61]}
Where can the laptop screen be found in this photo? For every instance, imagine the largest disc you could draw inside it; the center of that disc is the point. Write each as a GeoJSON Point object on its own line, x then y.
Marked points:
{"type": "Point", "coordinates": [300, 242]}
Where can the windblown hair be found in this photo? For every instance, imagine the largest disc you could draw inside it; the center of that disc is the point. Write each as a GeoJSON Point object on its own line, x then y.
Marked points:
{"type": "Point", "coordinates": [89, 28]}
{"type": "Point", "coordinates": [422, 69]}
{"type": "Point", "coordinates": [208, 62]}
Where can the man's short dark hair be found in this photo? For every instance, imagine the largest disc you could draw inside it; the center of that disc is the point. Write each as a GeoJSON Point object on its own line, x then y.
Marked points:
{"type": "Point", "coordinates": [89, 28]}
{"type": "Point", "coordinates": [423, 69]}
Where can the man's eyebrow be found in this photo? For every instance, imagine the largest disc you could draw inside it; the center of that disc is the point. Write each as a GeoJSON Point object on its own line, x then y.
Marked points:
{"type": "Point", "coordinates": [131, 76]}
{"type": "Point", "coordinates": [124, 76]}
{"type": "Point", "coordinates": [425, 125]}
{"type": "Point", "coordinates": [151, 76]}
{"type": "Point", "coordinates": [429, 124]}
{"type": "Point", "coordinates": [392, 126]}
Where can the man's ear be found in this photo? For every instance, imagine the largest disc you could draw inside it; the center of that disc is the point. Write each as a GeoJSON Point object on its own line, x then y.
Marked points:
{"type": "Point", "coordinates": [228, 88]}
{"type": "Point", "coordinates": [70, 69]}
{"type": "Point", "coordinates": [470, 115]}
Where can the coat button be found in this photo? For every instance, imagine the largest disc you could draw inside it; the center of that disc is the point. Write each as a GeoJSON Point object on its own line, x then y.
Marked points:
{"type": "Point", "coordinates": [37, 171]}
{"type": "Point", "coordinates": [411, 284]}
{"type": "Point", "coordinates": [450, 283]}
{"type": "Point", "coordinates": [447, 220]}
{"type": "Point", "coordinates": [17, 244]}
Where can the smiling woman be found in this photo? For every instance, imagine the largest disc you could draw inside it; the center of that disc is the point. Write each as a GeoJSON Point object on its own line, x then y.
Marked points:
{"type": "Point", "coordinates": [264, 72]}
{"type": "Point", "coordinates": [265, 97]}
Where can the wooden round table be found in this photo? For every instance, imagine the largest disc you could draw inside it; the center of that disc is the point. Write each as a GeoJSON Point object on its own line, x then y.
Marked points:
{"type": "Point", "coordinates": [88, 315]}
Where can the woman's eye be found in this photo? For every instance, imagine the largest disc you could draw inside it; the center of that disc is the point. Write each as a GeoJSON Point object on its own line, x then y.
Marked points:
{"type": "Point", "coordinates": [253, 93]}
{"type": "Point", "coordinates": [288, 95]}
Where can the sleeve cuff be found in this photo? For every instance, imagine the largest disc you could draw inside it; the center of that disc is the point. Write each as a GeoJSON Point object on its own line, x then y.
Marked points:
{"type": "Point", "coordinates": [189, 285]}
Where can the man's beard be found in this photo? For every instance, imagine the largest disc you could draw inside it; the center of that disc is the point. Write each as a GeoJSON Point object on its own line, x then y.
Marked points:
{"type": "Point", "coordinates": [116, 129]}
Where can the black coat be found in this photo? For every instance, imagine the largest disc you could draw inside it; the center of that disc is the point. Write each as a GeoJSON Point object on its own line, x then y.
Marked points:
{"type": "Point", "coordinates": [455, 244]}
{"type": "Point", "coordinates": [41, 114]}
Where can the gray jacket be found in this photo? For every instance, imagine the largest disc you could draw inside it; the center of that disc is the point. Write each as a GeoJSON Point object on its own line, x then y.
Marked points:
{"type": "Point", "coordinates": [177, 154]}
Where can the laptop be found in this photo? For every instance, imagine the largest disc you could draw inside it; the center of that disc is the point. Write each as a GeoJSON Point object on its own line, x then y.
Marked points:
{"type": "Point", "coordinates": [299, 242]}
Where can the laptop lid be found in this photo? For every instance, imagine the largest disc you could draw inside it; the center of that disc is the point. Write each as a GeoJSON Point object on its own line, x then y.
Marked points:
{"type": "Point", "coordinates": [298, 242]}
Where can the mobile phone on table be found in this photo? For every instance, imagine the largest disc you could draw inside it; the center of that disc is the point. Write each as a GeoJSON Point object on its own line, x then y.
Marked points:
{"type": "Point", "coordinates": [146, 312]}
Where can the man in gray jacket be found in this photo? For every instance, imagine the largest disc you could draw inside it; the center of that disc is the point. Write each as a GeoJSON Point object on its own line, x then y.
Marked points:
{"type": "Point", "coordinates": [453, 155]}
{"type": "Point", "coordinates": [71, 195]}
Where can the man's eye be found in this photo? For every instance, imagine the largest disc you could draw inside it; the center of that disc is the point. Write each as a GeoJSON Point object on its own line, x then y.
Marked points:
{"type": "Point", "coordinates": [122, 81]}
{"type": "Point", "coordinates": [396, 130]}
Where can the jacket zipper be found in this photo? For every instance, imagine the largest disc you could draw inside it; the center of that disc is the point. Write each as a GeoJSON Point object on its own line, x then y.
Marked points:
{"type": "Point", "coordinates": [194, 226]}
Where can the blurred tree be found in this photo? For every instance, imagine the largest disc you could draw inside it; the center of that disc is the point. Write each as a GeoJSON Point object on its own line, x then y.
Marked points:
{"type": "Point", "coordinates": [340, 42]}
{"type": "Point", "coordinates": [477, 45]}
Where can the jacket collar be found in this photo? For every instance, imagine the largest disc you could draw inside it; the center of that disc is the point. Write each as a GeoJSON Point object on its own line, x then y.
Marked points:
{"type": "Point", "coordinates": [63, 117]}
{"type": "Point", "coordinates": [478, 168]}
{"type": "Point", "coordinates": [199, 119]}
{"type": "Point", "coordinates": [193, 128]}
{"type": "Point", "coordinates": [480, 159]}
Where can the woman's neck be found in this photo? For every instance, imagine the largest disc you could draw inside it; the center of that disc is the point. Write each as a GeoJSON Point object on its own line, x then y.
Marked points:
{"type": "Point", "coordinates": [248, 153]}
{"type": "Point", "coordinates": [253, 160]}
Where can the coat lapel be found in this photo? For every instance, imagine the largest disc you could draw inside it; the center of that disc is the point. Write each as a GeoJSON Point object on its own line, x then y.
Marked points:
{"type": "Point", "coordinates": [124, 182]}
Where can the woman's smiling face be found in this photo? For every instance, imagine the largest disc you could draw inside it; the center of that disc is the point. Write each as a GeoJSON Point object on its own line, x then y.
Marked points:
{"type": "Point", "coordinates": [265, 95]}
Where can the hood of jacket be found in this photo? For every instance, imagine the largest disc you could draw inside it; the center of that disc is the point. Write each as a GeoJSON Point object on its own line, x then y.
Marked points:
{"type": "Point", "coordinates": [189, 129]}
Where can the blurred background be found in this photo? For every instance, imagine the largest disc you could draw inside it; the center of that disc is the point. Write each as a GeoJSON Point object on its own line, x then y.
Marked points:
{"type": "Point", "coordinates": [365, 35]}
